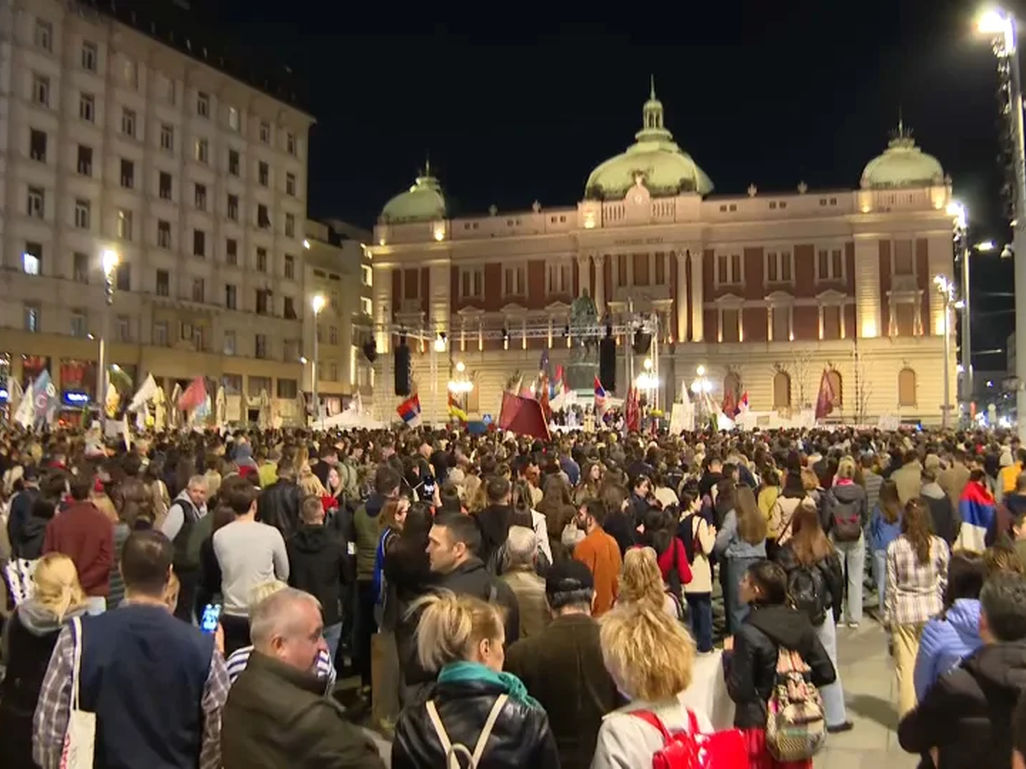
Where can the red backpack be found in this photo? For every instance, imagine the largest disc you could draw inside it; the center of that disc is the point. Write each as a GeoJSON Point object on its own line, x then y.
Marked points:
{"type": "Point", "coordinates": [694, 750]}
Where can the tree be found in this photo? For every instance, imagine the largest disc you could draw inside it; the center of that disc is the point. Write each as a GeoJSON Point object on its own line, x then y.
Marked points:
{"type": "Point", "coordinates": [801, 366]}
{"type": "Point", "coordinates": [863, 386]}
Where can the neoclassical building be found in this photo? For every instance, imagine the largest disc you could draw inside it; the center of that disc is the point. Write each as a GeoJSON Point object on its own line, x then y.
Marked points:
{"type": "Point", "coordinates": [766, 290]}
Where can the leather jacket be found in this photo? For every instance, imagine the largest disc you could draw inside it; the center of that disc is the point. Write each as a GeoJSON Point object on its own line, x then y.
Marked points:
{"type": "Point", "coordinates": [278, 506]}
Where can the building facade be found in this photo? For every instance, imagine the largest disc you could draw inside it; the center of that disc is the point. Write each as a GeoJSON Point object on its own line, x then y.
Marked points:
{"type": "Point", "coordinates": [338, 267]}
{"type": "Point", "coordinates": [114, 139]}
{"type": "Point", "coordinates": [766, 291]}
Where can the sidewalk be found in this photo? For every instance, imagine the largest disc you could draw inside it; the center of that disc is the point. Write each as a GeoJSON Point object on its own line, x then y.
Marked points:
{"type": "Point", "coordinates": [867, 675]}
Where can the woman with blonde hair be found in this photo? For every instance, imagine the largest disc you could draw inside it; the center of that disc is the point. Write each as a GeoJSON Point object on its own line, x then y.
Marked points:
{"type": "Point", "coordinates": [649, 656]}
{"type": "Point", "coordinates": [28, 640]}
{"type": "Point", "coordinates": [741, 541]}
{"type": "Point", "coordinates": [641, 580]}
{"type": "Point", "coordinates": [474, 709]}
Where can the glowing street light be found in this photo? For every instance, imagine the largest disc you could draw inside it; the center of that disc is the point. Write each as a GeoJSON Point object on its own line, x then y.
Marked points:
{"type": "Point", "coordinates": [985, 245]}
{"type": "Point", "coordinates": [109, 260]}
{"type": "Point", "coordinates": [947, 290]}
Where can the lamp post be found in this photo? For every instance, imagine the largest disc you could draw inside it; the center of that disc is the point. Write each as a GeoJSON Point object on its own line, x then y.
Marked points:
{"type": "Point", "coordinates": [317, 304]}
{"type": "Point", "coordinates": [1000, 27]}
{"type": "Point", "coordinates": [109, 263]}
{"type": "Point", "coordinates": [947, 291]}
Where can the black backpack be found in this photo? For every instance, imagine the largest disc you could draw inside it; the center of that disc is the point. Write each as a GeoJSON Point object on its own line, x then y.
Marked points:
{"type": "Point", "coordinates": [845, 519]}
{"type": "Point", "coordinates": [808, 592]}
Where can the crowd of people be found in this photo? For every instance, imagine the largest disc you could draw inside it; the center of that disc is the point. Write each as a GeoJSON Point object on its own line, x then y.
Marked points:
{"type": "Point", "coordinates": [503, 601]}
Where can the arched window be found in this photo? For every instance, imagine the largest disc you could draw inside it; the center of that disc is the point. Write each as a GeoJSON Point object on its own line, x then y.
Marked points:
{"type": "Point", "coordinates": [732, 385]}
{"type": "Point", "coordinates": [906, 387]}
{"type": "Point", "coordinates": [834, 377]}
{"type": "Point", "coordinates": [781, 390]}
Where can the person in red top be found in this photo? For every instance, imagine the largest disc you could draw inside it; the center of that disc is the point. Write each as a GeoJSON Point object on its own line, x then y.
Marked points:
{"type": "Point", "coordinates": [84, 534]}
{"type": "Point", "coordinates": [659, 533]}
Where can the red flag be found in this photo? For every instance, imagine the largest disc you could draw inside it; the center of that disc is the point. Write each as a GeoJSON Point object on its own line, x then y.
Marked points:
{"type": "Point", "coordinates": [194, 395]}
{"type": "Point", "coordinates": [632, 411]}
{"type": "Point", "coordinates": [729, 406]}
{"type": "Point", "coordinates": [543, 398]}
{"type": "Point", "coordinates": [826, 397]}
{"type": "Point", "coordinates": [524, 416]}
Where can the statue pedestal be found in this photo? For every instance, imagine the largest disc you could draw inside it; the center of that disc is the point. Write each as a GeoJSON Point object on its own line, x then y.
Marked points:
{"type": "Point", "coordinates": [580, 375]}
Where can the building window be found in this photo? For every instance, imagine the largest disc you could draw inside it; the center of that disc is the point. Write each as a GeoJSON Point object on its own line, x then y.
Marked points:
{"type": "Point", "coordinates": [558, 279]}
{"type": "Point", "coordinates": [907, 387]}
{"type": "Point", "coordinates": [127, 174]}
{"type": "Point", "coordinates": [261, 259]}
{"type": "Point", "coordinates": [260, 345]}
{"type": "Point", "coordinates": [30, 313]}
{"type": "Point", "coordinates": [233, 207]}
{"type": "Point", "coordinates": [514, 281]}
{"type": "Point", "coordinates": [198, 289]}
{"type": "Point", "coordinates": [164, 185]}
{"type": "Point", "coordinates": [905, 317]}
{"type": "Point", "coordinates": [233, 118]}
{"type": "Point", "coordinates": [367, 273]}
{"type": "Point", "coordinates": [87, 107]}
{"type": "Point", "coordinates": [163, 283]}
{"type": "Point", "coordinates": [128, 122]}
{"type": "Point", "coordinates": [37, 145]}
{"type": "Point", "coordinates": [160, 333]}
{"type": "Point", "coordinates": [290, 308]}
{"type": "Point", "coordinates": [366, 307]}
{"type": "Point", "coordinates": [167, 137]}
{"type": "Point", "coordinates": [290, 226]}
{"type": "Point", "coordinates": [41, 90]}
{"type": "Point", "coordinates": [80, 267]}
{"type": "Point", "coordinates": [332, 334]}
{"type": "Point", "coordinates": [778, 267]}
{"type": "Point", "coordinates": [124, 328]}
{"type": "Point", "coordinates": [290, 143]}
{"type": "Point", "coordinates": [263, 174]}
{"type": "Point", "coordinates": [35, 204]}
{"type": "Point", "coordinates": [124, 277]}
{"type": "Point", "coordinates": [265, 132]}
{"type": "Point", "coordinates": [233, 162]}
{"type": "Point", "coordinates": [290, 184]}
{"type": "Point", "coordinates": [79, 324]}
{"type": "Point", "coordinates": [781, 390]}
{"type": "Point", "coordinates": [199, 243]}
{"type": "Point", "coordinates": [287, 388]}
{"type": "Point", "coordinates": [44, 35]}
{"type": "Point", "coordinates": [730, 321]}
{"type": "Point", "coordinates": [163, 233]}
{"type": "Point", "coordinates": [829, 265]}
{"type": "Point", "coordinates": [263, 219]}
{"type": "Point", "coordinates": [202, 151]}
{"type": "Point", "coordinates": [203, 104]}
{"type": "Point", "coordinates": [832, 316]}
{"type": "Point", "coordinates": [231, 297]}
{"type": "Point", "coordinates": [32, 259]}
{"type": "Point", "coordinates": [780, 323]}
{"type": "Point", "coordinates": [199, 196]}
{"type": "Point", "coordinates": [263, 301]}
{"type": "Point", "coordinates": [231, 251]}
{"type": "Point", "coordinates": [290, 266]}
{"type": "Point", "coordinates": [728, 270]}
{"type": "Point", "coordinates": [471, 281]}
{"type": "Point", "coordinates": [124, 224]}
{"type": "Point", "coordinates": [89, 56]}
{"type": "Point", "coordinates": [85, 160]}
{"type": "Point", "coordinates": [641, 277]}
{"type": "Point", "coordinates": [229, 342]}
{"type": "Point", "coordinates": [82, 210]}
{"type": "Point", "coordinates": [902, 261]}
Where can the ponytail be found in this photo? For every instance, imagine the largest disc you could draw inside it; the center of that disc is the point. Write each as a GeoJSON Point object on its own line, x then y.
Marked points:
{"type": "Point", "coordinates": [450, 625]}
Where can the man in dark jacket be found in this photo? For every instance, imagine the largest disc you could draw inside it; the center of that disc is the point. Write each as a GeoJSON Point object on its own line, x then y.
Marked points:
{"type": "Point", "coordinates": [21, 510]}
{"type": "Point", "coordinates": [277, 714]}
{"type": "Point", "coordinates": [278, 504]}
{"type": "Point", "coordinates": [966, 717]}
{"type": "Point", "coordinates": [562, 667]}
{"type": "Point", "coordinates": [315, 565]}
{"type": "Point", "coordinates": [494, 521]}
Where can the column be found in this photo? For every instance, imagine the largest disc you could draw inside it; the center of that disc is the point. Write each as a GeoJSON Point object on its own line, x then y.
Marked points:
{"type": "Point", "coordinates": [600, 283]}
{"type": "Point", "coordinates": [681, 299]}
{"type": "Point", "coordinates": [697, 291]}
{"type": "Point", "coordinates": [867, 289]}
{"type": "Point", "coordinates": [382, 307]}
{"type": "Point", "coordinates": [583, 279]}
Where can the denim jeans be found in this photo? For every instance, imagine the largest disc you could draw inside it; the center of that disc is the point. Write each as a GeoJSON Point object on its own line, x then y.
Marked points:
{"type": "Point", "coordinates": [880, 575]}
{"type": "Point", "coordinates": [853, 564]}
{"type": "Point", "coordinates": [736, 611]}
{"type": "Point", "coordinates": [332, 635]}
{"type": "Point", "coordinates": [700, 619]}
{"type": "Point", "coordinates": [833, 694]}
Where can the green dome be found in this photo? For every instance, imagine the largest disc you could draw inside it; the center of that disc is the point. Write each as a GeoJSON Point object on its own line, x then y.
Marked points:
{"type": "Point", "coordinates": [423, 202]}
{"type": "Point", "coordinates": [663, 167]}
{"type": "Point", "coordinates": [902, 164]}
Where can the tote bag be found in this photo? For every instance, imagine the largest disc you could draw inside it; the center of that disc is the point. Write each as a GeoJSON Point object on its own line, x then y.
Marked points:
{"type": "Point", "coordinates": [80, 738]}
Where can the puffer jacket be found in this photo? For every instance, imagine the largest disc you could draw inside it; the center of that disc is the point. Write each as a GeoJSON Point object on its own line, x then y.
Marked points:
{"type": "Point", "coordinates": [521, 736]}
{"type": "Point", "coordinates": [967, 714]}
{"type": "Point", "coordinates": [946, 641]}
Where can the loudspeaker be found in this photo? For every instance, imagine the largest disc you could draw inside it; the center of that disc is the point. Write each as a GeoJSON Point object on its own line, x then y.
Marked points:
{"type": "Point", "coordinates": [642, 341]}
{"type": "Point", "coordinates": [607, 363]}
{"type": "Point", "coordinates": [370, 350]}
{"type": "Point", "coordinates": [402, 368]}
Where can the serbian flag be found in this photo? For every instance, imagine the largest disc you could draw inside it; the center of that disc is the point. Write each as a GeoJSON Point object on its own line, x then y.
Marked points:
{"type": "Point", "coordinates": [409, 410]}
{"type": "Point", "coordinates": [523, 416]}
{"type": "Point", "coordinates": [729, 406]}
{"type": "Point", "coordinates": [194, 396]}
{"type": "Point", "coordinates": [601, 397]}
{"type": "Point", "coordinates": [826, 397]}
{"type": "Point", "coordinates": [742, 405]}
{"type": "Point", "coordinates": [632, 411]}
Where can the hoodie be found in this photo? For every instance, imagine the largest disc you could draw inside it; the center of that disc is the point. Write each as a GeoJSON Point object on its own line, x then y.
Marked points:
{"type": "Point", "coordinates": [368, 532]}
{"type": "Point", "coordinates": [315, 561]}
{"type": "Point", "coordinates": [946, 641]}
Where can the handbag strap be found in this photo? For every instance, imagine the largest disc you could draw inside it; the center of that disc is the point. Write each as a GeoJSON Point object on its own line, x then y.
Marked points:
{"type": "Point", "coordinates": [76, 633]}
{"type": "Point", "coordinates": [452, 750]}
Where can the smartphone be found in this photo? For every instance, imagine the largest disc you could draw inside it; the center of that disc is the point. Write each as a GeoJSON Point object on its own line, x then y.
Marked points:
{"type": "Point", "coordinates": [210, 618]}
{"type": "Point", "coordinates": [427, 489]}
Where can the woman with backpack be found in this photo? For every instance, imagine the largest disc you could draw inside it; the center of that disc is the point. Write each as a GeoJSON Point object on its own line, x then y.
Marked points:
{"type": "Point", "coordinates": [754, 665]}
{"type": "Point", "coordinates": [846, 515]}
{"type": "Point", "coordinates": [740, 543]}
{"type": "Point", "coordinates": [473, 709]}
{"type": "Point", "coordinates": [917, 577]}
{"type": "Point", "coordinates": [815, 585]}
{"type": "Point", "coordinates": [698, 538]}
{"type": "Point", "coordinates": [884, 528]}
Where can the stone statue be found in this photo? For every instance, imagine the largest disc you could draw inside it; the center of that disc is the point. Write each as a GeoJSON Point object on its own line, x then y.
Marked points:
{"type": "Point", "coordinates": [583, 364]}
{"type": "Point", "coordinates": [583, 315]}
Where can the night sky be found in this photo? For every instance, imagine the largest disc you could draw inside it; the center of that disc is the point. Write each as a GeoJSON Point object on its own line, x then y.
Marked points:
{"type": "Point", "coordinates": [514, 104]}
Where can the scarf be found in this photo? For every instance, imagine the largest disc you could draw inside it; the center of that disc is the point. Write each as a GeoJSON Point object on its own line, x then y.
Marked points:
{"type": "Point", "coordinates": [464, 670]}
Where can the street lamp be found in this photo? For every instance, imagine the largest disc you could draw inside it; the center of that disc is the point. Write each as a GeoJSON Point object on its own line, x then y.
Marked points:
{"type": "Point", "coordinates": [1000, 26]}
{"type": "Point", "coordinates": [317, 303]}
{"type": "Point", "coordinates": [960, 226]}
{"type": "Point", "coordinates": [109, 260]}
{"type": "Point", "coordinates": [947, 291]}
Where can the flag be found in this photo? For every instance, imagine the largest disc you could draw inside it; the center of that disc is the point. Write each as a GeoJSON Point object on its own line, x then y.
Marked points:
{"type": "Point", "coordinates": [601, 397]}
{"type": "Point", "coordinates": [125, 432]}
{"type": "Point", "coordinates": [729, 405]}
{"type": "Point", "coordinates": [44, 397]}
{"type": "Point", "coordinates": [543, 398]}
{"type": "Point", "coordinates": [409, 410]}
{"type": "Point", "coordinates": [15, 394]}
{"type": "Point", "coordinates": [632, 411]}
{"type": "Point", "coordinates": [742, 404]}
{"type": "Point", "coordinates": [145, 393]}
{"type": "Point", "coordinates": [523, 416]}
{"type": "Point", "coordinates": [26, 408]}
{"type": "Point", "coordinates": [455, 411]}
{"type": "Point", "coordinates": [111, 399]}
{"type": "Point", "coordinates": [825, 399]}
{"type": "Point", "coordinates": [543, 362]}
{"type": "Point", "coordinates": [195, 395]}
